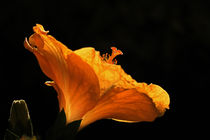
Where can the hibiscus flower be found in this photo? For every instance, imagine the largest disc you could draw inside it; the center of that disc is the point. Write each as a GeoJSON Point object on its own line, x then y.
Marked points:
{"type": "Point", "coordinates": [91, 87]}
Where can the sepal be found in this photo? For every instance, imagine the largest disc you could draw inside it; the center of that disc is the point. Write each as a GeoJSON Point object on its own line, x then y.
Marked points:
{"type": "Point", "coordinates": [62, 131]}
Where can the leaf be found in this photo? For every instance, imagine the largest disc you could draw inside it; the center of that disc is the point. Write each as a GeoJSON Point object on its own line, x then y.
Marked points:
{"type": "Point", "coordinates": [73, 127]}
{"type": "Point", "coordinates": [62, 131]}
{"type": "Point", "coordinates": [61, 120]}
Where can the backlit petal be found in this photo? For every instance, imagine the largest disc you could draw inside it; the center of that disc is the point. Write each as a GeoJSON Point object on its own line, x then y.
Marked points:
{"type": "Point", "coordinates": [158, 95]}
{"type": "Point", "coordinates": [108, 74]}
{"type": "Point", "coordinates": [111, 75]}
{"type": "Point", "coordinates": [122, 105]}
{"type": "Point", "coordinates": [83, 89]}
{"type": "Point", "coordinates": [50, 53]}
{"type": "Point", "coordinates": [74, 80]}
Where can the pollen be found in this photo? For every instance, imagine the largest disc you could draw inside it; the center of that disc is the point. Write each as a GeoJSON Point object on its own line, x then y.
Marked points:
{"type": "Point", "coordinates": [110, 58]}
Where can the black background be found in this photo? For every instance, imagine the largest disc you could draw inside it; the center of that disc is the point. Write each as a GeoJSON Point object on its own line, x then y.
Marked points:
{"type": "Point", "coordinates": [166, 43]}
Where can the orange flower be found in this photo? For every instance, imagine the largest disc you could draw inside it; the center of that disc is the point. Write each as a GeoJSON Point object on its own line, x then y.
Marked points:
{"type": "Point", "coordinates": [91, 87]}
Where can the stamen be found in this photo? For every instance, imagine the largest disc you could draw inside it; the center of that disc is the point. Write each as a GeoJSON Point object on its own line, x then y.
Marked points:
{"type": "Point", "coordinates": [110, 58]}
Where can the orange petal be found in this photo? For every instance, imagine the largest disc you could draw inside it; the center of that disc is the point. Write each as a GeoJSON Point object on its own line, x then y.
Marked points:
{"type": "Point", "coordinates": [158, 95]}
{"type": "Point", "coordinates": [122, 105]}
{"type": "Point", "coordinates": [108, 74]}
{"type": "Point", "coordinates": [111, 75]}
{"type": "Point", "coordinates": [50, 53]}
{"type": "Point", "coordinates": [74, 80]}
{"type": "Point", "coordinates": [83, 89]}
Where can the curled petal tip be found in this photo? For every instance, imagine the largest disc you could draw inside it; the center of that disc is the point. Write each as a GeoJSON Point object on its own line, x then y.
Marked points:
{"type": "Point", "coordinates": [40, 29]}
{"type": "Point", "coordinates": [49, 83]}
{"type": "Point", "coordinates": [28, 46]}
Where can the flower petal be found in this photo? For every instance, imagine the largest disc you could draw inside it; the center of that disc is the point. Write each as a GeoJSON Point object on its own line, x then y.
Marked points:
{"type": "Point", "coordinates": [74, 80]}
{"type": "Point", "coordinates": [111, 75]}
{"type": "Point", "coordinates": [108, 74]}
{"type": "Point", "coordinates": [158, 95]}
{"type": "Point", "coordinates": [50, 53]}
{"type": "Point", "coordinates": [83, 89]}
{"type": "Point", "coordinates": [122, 105]}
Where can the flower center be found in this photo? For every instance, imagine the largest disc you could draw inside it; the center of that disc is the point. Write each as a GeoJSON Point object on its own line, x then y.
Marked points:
{"type": "Point", "coordinates": [110, 58]}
